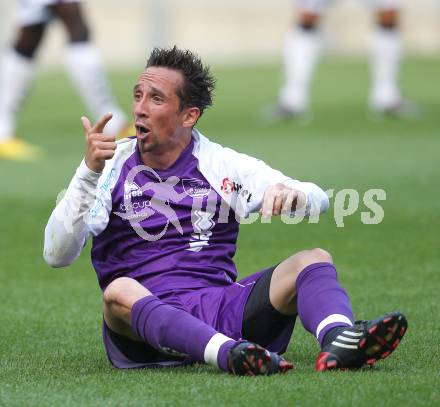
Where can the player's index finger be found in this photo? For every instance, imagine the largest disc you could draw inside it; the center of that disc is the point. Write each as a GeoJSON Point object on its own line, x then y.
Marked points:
{"type": "Point", "coordinates": [87, 126]}
{"type": "Point", "coordinates": [100, 124]}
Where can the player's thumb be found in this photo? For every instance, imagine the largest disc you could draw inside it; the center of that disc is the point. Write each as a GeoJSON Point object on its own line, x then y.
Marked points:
{"type": "Point", "coordinates": [100, 124]}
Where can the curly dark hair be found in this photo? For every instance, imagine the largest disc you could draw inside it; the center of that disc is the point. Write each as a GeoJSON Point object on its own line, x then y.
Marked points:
{"type": "Point", "coordinates": [198, 86]}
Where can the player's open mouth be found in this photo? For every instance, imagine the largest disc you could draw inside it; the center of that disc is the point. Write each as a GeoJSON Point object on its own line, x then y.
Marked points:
{"type": "Point", "coordinates": [141, 131]}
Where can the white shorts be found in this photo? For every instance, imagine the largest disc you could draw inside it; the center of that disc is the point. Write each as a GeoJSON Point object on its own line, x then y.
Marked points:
{"type": "Point", "coordinates": [318, 6]}
{"type": "Point", "coordinates": [32, 12]}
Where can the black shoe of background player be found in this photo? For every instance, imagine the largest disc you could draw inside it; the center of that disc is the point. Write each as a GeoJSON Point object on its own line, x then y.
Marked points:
{"type": "Point", "coordinates": [362, 344]}
{"type": "Point", "coordinates": [401, 109]}
{"type": "Point", "coordinates": [277, 113]}
{"type": "Point", "coordinates": [250, 359]}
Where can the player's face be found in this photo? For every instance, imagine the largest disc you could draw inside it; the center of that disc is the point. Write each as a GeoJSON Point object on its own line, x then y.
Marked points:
{"type": "Point", "coordinates": [158, 118]}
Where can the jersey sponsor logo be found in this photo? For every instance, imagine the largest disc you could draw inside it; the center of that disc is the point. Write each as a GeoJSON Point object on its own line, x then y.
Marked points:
{"type": "Point", "coordinates": [228, 187]}
{"type": "Point", "coordinates": [109, 181]}
{"type": "Point", "coordinates": [135, 206]}
{"type": "Point", "coordinates": [195, 187]}
{"type": "Point", "coordinates": [104, 188]}
{"type": "Point", "coordinates": [131, 190]}
{"type": "Point", "coordinates": [163, 193]}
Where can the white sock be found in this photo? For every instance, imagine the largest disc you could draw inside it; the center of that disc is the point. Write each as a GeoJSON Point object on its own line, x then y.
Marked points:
{"type": "Point", "coordinates": [301, 54]}
{"type": "Point", "coordinates": [16, 76]}
{"type": "Point", "coordinates": [212, 349]}
{"type": "Point", "coordinates": [386, 53]}
{"type": "Point", "coordinates": [87, 74]}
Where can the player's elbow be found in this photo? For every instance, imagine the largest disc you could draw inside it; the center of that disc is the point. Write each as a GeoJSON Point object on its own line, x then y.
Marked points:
{"type": "Point", "coordinates": [58, 251]}
{"type": "Point", "coordinates": [54, 260]}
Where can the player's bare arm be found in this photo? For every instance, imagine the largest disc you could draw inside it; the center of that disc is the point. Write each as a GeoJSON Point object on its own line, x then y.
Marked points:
{"type": "Point", "coordinates": [99, 147]}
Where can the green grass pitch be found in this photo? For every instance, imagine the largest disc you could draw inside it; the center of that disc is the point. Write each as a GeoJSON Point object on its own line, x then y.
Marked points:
{"type": "Point", "coordinates": [50, 344]}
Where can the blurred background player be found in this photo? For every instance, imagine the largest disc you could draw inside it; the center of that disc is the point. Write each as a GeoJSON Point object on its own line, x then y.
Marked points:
{"type": "Point", "coordinates": [303, 49]}
{"type": "Point", "coordinates": [83, 64]}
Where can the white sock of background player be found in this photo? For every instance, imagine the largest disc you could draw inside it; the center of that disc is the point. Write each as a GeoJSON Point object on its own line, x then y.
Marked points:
{"type": "Point", "coordinates": [301, 55]}
{"type": "Point", "coordinates": [85, 69]}
{"type": "Point", "coordinates": [386, 52]}
{"type": "Point", "coordinates": [16, 76]}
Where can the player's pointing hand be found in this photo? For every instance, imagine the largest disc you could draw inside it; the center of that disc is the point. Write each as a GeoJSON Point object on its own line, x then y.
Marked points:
{"type": "Point", "coordinates": [99, 147]}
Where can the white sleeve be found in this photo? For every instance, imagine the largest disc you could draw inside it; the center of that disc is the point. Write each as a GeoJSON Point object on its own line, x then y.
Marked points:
{"type": "Point", "coordinates": [257, 176]}
{"type": "Point", "coordinates": [67, 230]}
{"type": "Point", "coordinates": [241, 180]}
{"type": "Point", "coordinates": [84, 210]}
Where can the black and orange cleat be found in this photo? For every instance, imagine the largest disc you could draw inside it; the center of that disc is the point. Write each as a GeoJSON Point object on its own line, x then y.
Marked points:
{"type": "Point", "coordinates": [250, 359]}
{"type": "Point", "coordinates": [364, 343]}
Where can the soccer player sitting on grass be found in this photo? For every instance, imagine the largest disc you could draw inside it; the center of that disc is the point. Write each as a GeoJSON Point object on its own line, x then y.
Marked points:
{"type": "Point", "coordinates": [163, 210]}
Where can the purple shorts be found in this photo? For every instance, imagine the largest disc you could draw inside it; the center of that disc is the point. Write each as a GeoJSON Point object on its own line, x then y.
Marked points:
{"type": "Point", "coordinates": [220, 307]}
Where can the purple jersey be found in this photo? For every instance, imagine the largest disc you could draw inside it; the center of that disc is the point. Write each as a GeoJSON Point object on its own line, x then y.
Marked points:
{"type": "Point", "coordinates": [169, 229]}
{"type": "Point", "coordinates": [194, 249]}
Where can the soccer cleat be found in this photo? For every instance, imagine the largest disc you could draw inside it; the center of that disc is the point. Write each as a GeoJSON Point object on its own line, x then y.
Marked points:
{"type": "Point", "coordinates": [402, 109]}
{"type": "Point", "coordinates": [19, 150]}
{"type": "Point", "coordinates": [250, 359]}
{"type": "Point", "coordinates": [364, 343]}
{"type": "Point", "coordinates": [277, 113]}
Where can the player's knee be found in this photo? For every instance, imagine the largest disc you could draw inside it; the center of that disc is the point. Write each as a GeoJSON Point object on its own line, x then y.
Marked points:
{"type": "Point", "coordinates": [77, 29]}
{"type": "Point", "coordinates": [111, 293]}
{"type": "Point", "coordinates": [321, 255]}
{"type": "Point", "coordinates": [124, 291]}
{"type": "Point", "coordinates": [388, 19]}
{"type": "Point", "coordinates": [79, 32]}
{"type": "Point", "coordinates": [29, 39]}
{"type": "Point", "coordinates": [312, 256]}
{"type": "Point", "coordinates": [308, 21]}
{"type": "Point", "coordinates": [291, 267]}
{"type": "Point", "coordinates": [71, 16]}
